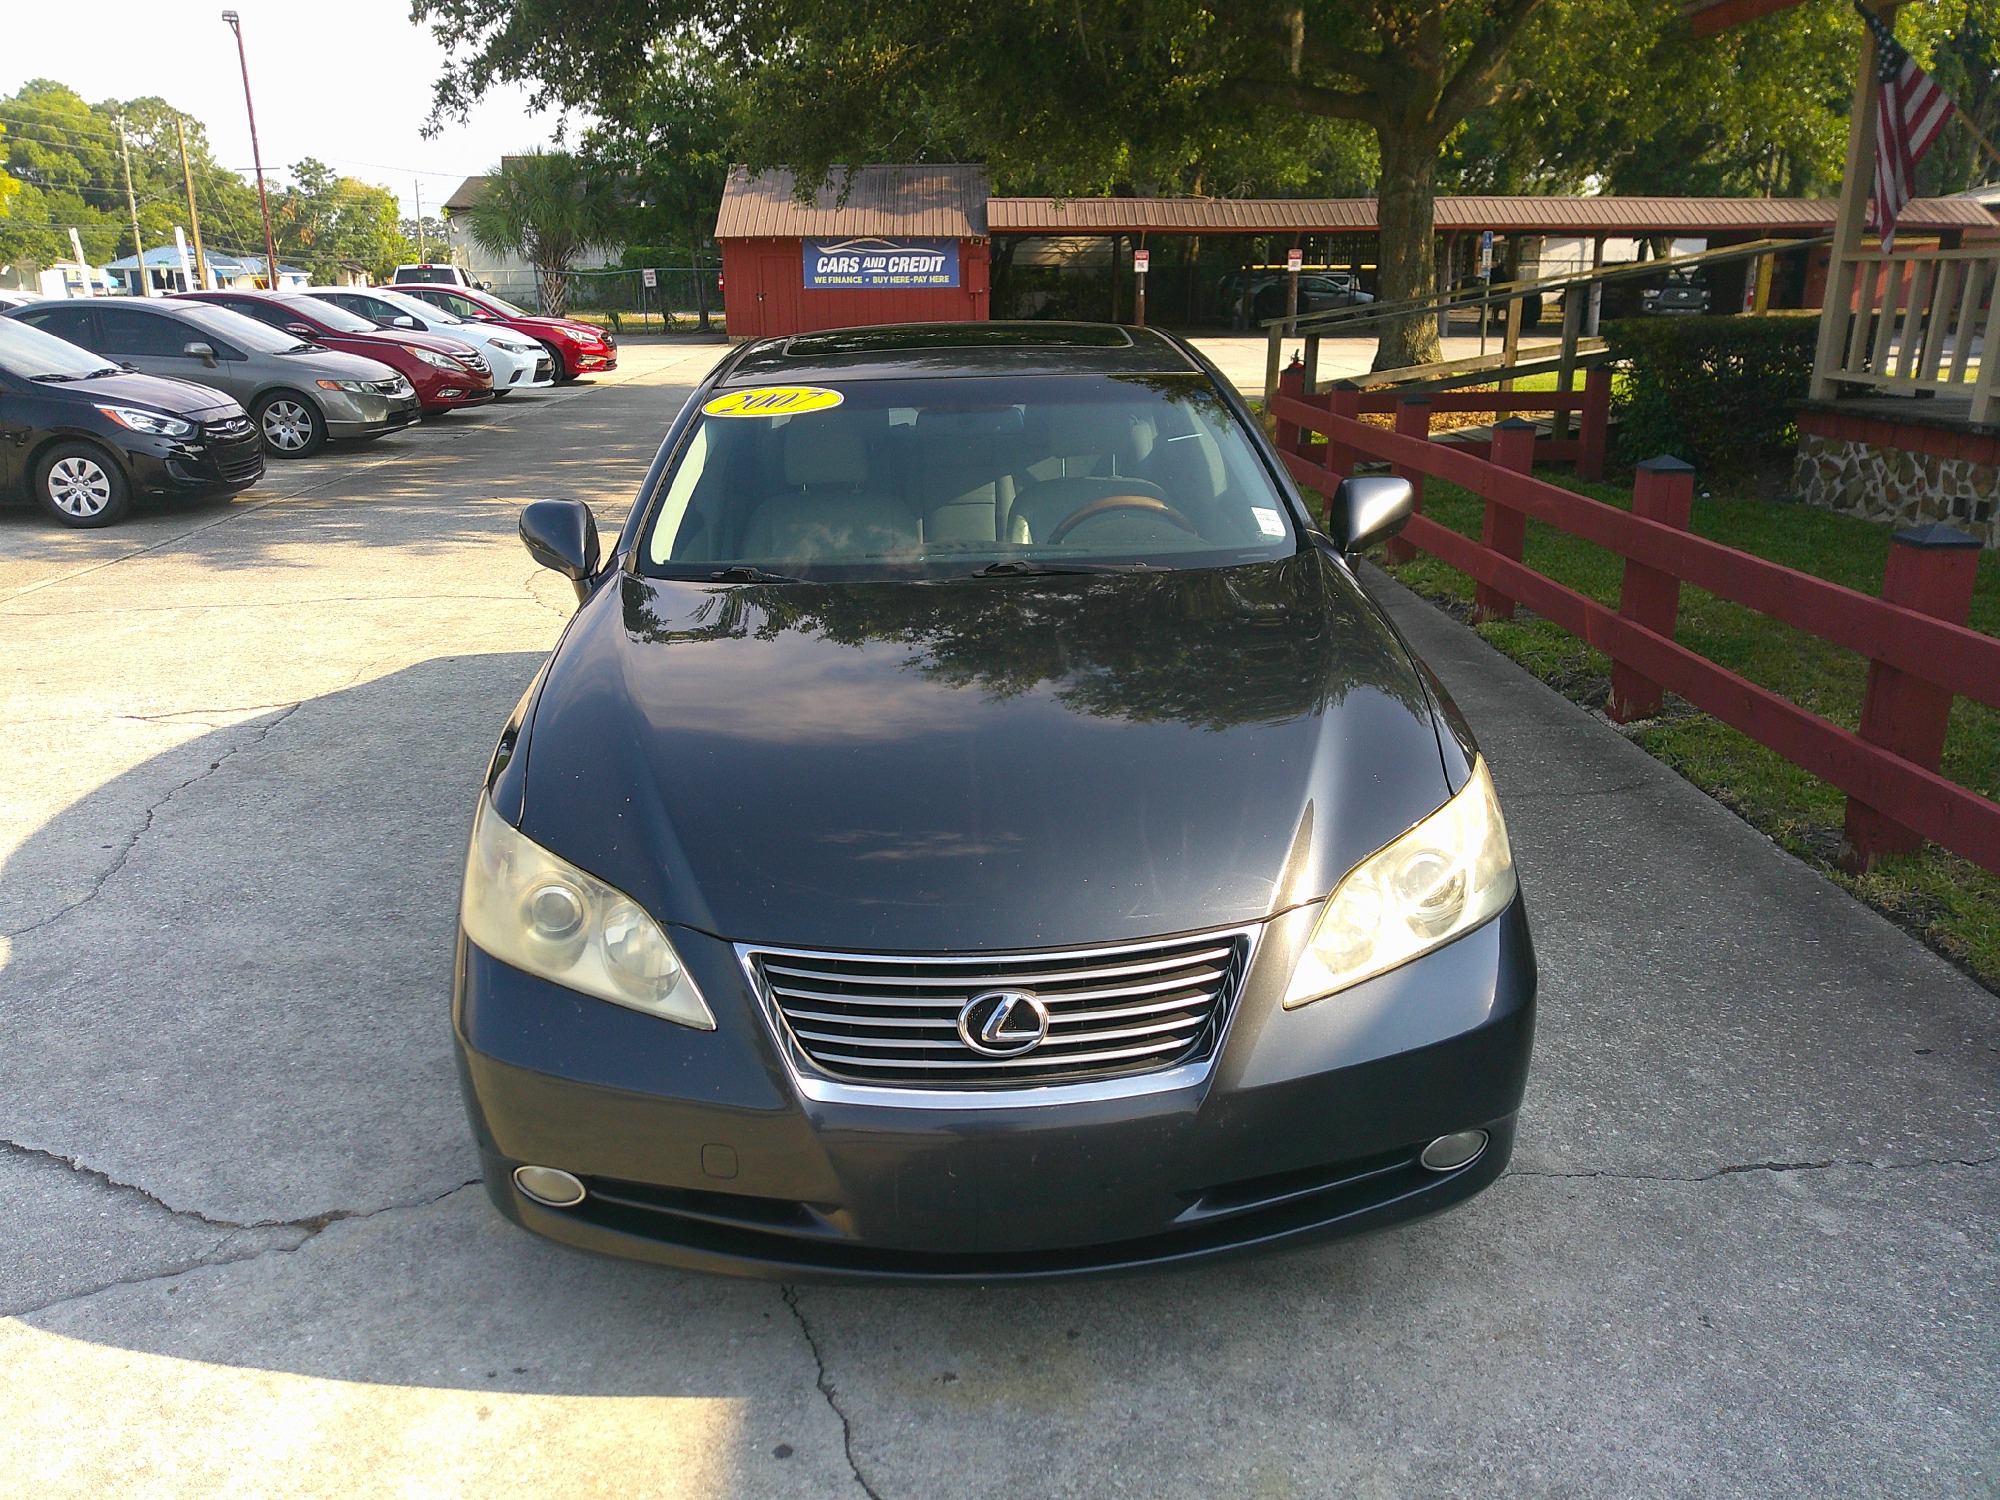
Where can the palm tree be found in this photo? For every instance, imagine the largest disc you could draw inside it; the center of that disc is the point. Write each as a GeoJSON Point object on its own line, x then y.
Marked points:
{"type": "Point", "coordinates": [548, 207]}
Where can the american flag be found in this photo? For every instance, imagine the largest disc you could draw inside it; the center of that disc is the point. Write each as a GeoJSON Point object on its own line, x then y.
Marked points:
{"type": "Point", "coordinates": [1910, 110]}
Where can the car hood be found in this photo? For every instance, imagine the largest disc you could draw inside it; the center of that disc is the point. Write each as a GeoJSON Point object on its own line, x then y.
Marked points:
{"type": "Point", "coordinates": [437, 343]}
{"type": "Point", "coordinates": [971, 765]}
{"type": "Point", "coordinates": [578, 330]}
{"type": "Point", "coordinates": [181, 398]}
{"type": "Point", "coordinates": [335, 364]}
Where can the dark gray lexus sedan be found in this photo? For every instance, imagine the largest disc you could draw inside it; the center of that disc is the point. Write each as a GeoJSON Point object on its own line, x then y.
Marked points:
{"type": "Point", "coordinates": [976, 826]}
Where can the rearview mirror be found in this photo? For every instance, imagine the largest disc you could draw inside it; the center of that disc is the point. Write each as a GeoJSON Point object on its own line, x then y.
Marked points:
{"type": "Point", "coordinates": [1368, 510]}
{"type": "Point", "coordinates": [203, 352]}
{"type": "Point", "coordinates": [561, 535]}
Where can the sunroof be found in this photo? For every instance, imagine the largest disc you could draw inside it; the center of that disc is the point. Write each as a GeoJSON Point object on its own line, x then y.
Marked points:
{"type": "Point", "coordinates": [959, 336]}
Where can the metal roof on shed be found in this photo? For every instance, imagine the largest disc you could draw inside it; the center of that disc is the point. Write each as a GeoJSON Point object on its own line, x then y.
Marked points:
{"type": "Point", "coordinates": [933, 201]}
{"type": "Point", "coordinates": [1456, 213]}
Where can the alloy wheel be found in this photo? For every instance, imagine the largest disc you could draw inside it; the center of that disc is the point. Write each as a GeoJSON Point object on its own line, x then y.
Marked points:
{"type": "Point", "coordinates": [79, 487]}
{"type": "Point", "coordinates": [287, 426]}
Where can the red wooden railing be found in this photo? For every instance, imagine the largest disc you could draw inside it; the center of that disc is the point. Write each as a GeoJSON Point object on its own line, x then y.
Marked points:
{"type": "Point", "coordinates": [1592, 405]}
{"type": "Point", "coordinates": [1922, 653]}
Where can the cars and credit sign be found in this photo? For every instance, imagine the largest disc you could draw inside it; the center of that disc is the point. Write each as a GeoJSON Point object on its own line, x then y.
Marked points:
{"type": "Point", "coordinates": [874, 262]}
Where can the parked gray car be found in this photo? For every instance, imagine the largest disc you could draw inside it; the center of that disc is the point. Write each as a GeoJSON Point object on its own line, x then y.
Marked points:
{"type": "Point", "coordinates": [300, 393]}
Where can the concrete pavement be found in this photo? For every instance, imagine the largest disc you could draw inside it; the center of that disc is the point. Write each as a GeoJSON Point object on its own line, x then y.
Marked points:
{"type": "Point", "coordinates": [1747, 1245]}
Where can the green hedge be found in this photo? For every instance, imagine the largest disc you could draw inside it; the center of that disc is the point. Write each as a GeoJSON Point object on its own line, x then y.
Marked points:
{"type": "Point", "coordinates": [1716, 391]}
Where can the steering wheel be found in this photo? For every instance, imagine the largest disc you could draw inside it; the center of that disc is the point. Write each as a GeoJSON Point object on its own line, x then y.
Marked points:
{"type": "Point", "coordinates": [1106, 503]}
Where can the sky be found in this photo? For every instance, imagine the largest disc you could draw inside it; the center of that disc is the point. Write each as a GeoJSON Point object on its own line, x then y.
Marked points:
{"type": "Point", "coordinates": [349, 84]}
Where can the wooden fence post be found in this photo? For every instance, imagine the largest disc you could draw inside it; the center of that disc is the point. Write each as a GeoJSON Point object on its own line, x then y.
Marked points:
{"type": "Point", "coordinates": [1594, 429]}
{"type": "Point", "coordinates": [1932, 569]}
{"type": "Point", "coordinates": [1413, 419]}
{"type": "Point", "coordinates": [1291, 383]}
{"type": "Point", "coordinates": [1663, 491]}
{"type": "Point", "coordinates": [1502, 528]}
{"type": "Point", "coordinates": [1344, 400]}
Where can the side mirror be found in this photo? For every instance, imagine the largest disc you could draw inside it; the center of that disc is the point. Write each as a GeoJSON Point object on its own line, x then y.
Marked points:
{"type": "Point", "coordinates": [405, 321]}
{"type": "Point", "coordinates": [303, 330]}
{"type": "Point", "coordinates": [203, 352]}
{"type": "Point", "coordinates": [562, 535]}
{"type": "Point", "coordinates": [1368, 510]}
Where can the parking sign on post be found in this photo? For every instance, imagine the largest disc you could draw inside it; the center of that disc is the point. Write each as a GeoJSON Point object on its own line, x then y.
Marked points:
{"type": "Point", "coordinates": [650, 277]}
{"type": "Point", "coordinates": [1295, 262]}
{"type": "Point", "coordinates": [1141, 260]}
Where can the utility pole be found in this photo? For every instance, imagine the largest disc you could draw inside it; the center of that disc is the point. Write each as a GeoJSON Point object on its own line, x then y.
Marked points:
{"type": "Point", "coordinates": [423, 255]}
{"type": "Point", "coordinates": [132, 206]}
{"type": "Point", "coordinates": [235, 24]}
{"type": "Point", "coordinates": [194, 215]}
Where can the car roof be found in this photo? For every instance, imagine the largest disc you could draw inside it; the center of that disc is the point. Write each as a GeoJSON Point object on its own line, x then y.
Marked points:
{"type": "Point", "coordinates": [944, 350]}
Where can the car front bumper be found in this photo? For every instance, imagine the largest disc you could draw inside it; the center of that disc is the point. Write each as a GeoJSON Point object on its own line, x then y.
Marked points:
{"type": "Point", "coordinates": [364, 414]}
{"type": "Point", "coordinates": [698, 1149]}
{"type": "Point", "coordinates": [203, 465]}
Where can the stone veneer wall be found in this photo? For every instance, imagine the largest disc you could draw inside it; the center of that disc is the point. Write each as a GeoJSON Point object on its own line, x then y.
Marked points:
{"type": "Point", "coordinates": [1884, 483]}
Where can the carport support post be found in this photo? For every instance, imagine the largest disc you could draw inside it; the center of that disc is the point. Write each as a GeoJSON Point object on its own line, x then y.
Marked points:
{"type": "Point", "coordinates": [1931, 569]}
{"type": "Point", "coordinates": [1596, 425]}
{"type": "Point", "coordinates": [1413, 419]}
{"type": "Point", "coordinates": [1566, 359]}
{"type": "Point", "coordinates": [1596, 288]}
{"type": "Point", "coordinates": [1312, 363]}
{"type": "Point", "coordinates": [1663, 491]}
{"type": "Point", "coordinates": [1503, 529]}
{"type": "Point", "coordinates": [1274, 353]}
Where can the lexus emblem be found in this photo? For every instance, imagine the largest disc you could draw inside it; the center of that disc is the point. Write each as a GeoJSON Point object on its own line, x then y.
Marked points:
{"type": "Point", "coordinates": [1003, 1023]}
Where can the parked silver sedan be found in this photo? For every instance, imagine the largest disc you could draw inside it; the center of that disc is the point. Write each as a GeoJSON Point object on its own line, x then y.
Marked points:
{"type": "Point", "coordinates": [299, 393]}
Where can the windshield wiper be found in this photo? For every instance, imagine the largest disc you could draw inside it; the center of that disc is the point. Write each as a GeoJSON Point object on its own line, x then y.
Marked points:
{"type": "Point", "coordinates": [743, 574]}
{"type": "Point", "coordinates": [1021, 567]}
{"type": "Point", "coordinates": [58, 379]}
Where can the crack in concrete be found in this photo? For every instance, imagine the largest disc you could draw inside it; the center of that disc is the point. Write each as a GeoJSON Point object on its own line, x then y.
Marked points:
{"type": "Point", "coordinates": [1829, 1164]}
{"type": "Point", "coordinates": [232, 1240]}
{"type": "Point", "coordinates": [132, 840]}
{"type": "Point", "coordinates": [826, 1390]}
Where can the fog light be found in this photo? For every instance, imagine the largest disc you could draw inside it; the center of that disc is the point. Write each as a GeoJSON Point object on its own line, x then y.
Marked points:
{"type": "Point", "coordinates": [555, 1187]}
{"type": "Point", "coordinates": [1445, 1154]}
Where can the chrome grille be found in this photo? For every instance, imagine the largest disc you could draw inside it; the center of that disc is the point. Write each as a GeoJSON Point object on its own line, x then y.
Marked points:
{"type": "Point", "coordinates": [894, 1021]}
{"type": "Point", "coordinates": [474, 362]}
{"type": "Point", "coordinates": [229, 429]}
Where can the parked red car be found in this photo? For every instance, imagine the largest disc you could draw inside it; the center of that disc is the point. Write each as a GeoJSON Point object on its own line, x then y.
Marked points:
{"type": "Point", "coordinates": [448, 373]}
{"type": "Point", "coordinates": [577, 348]}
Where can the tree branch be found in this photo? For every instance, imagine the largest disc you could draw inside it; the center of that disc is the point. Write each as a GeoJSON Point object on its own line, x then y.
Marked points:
{"type": "Point", "coordinates": [1468, 87]}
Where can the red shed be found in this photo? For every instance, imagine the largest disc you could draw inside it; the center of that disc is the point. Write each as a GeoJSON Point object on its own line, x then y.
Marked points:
{"type": "Point", "coordinates": [880, 244]}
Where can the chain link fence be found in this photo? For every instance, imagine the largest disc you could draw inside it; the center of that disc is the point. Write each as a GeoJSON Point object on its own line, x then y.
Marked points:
{"type": "Point", "coordinates": [620, 298]}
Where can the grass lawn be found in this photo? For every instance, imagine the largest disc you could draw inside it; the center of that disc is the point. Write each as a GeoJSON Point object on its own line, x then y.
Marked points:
{"type": "Point", "coordinates": [1951, 903]}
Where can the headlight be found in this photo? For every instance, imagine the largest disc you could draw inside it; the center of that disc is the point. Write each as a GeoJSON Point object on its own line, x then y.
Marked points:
{"type": "Point", "coordinates": [159, 424]}
{"type": "Point", "coordinates": [434, 359]}
{"type": "Point", "coordinates": [342, 385]}
{"type": "Point", "coordinates": [526, 907]}
{"type": "Point", "coordinates": [513, 348]}
{"type": "Point", "coordinates": [1437, 882]}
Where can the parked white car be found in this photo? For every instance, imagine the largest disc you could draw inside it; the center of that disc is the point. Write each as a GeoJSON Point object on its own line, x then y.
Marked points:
{"type": "Point", "coordinates": [519, 363]}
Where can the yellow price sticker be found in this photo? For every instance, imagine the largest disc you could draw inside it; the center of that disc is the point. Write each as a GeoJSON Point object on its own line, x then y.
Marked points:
{"type": "Point", "coordinates": [773, 401]}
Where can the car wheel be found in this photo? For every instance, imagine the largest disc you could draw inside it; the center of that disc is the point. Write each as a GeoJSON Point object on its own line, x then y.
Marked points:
{"type": "Point", "coordinates": [82, 485]}
{"type": "Point", "coordinates": [558, 370]}
{"type": "Point", "coordinates": [291, 425]}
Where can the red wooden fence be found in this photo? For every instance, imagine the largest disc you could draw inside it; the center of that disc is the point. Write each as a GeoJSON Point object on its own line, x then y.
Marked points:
{"type": "Point", "coordinates": [1920, 661]}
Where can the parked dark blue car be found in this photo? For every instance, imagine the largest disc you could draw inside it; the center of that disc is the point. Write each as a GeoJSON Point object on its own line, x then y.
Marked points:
{"type": "Point", "coordinates": [978, 826]}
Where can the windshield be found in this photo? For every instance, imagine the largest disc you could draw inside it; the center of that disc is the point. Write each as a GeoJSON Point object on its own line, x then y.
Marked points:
{"type": "Point", "coordinates": [936, 478]}
{"type": "Point", "coordinates": [244, 332]}
{"type": "Point", "coordinates": [31, 354]}
{"type": "Point", "coordinates": [415, 307]}
{"type": "Point", "coordinates": [336, 317]}
{"type": "Point", "coordinates": [505, 308]}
